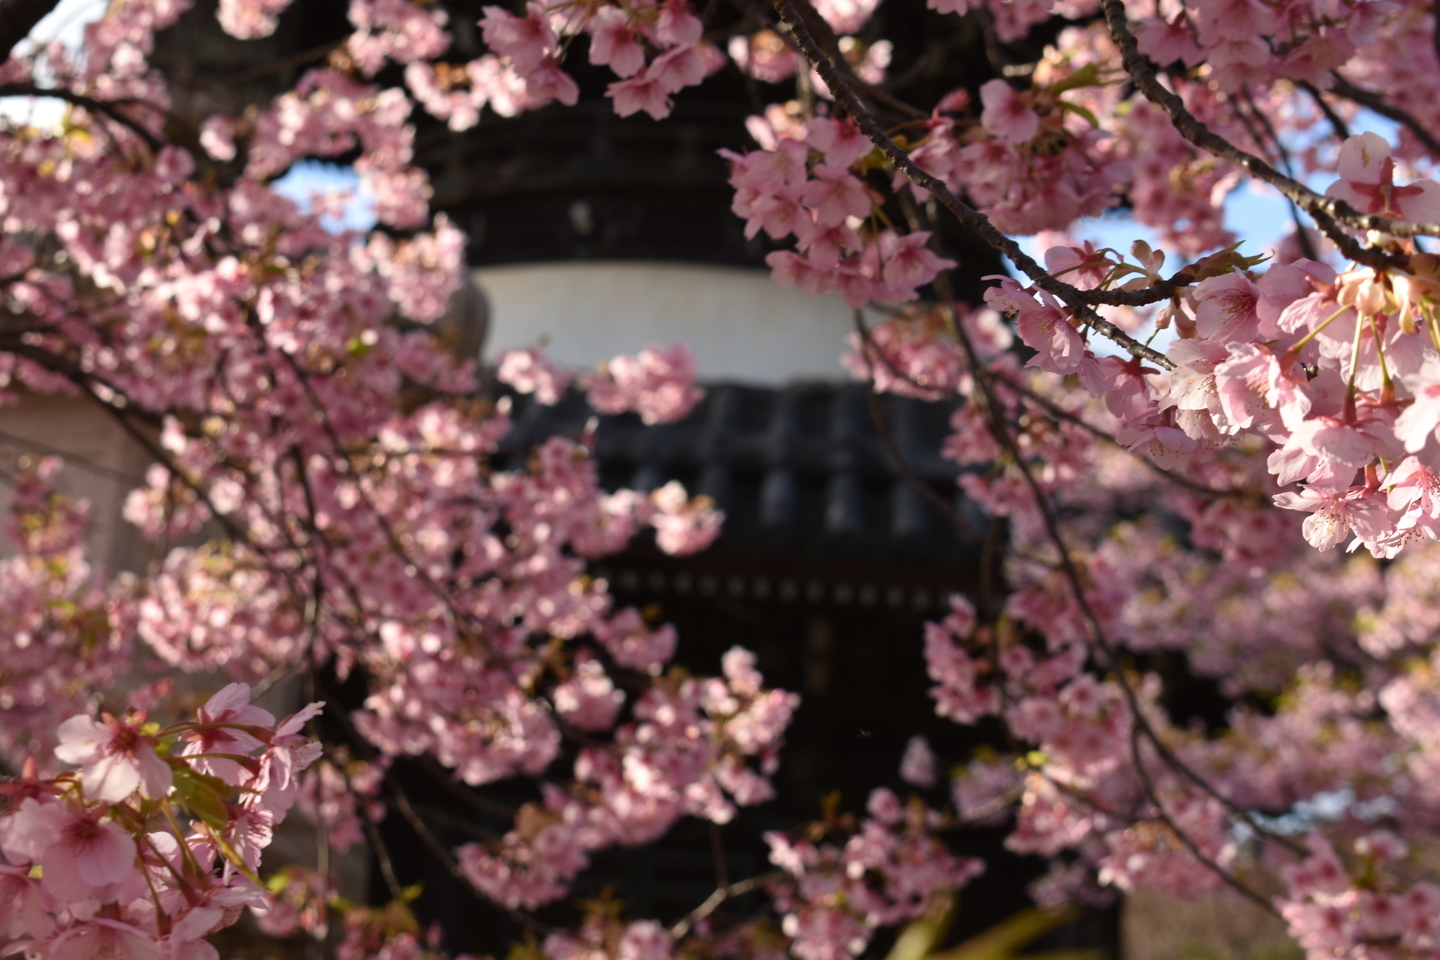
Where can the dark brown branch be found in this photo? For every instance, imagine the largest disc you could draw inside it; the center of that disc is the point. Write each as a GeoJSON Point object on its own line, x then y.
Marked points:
{"type": "Point", "coordinates": [452, 866]}
{"type": "Point", "coordinates": [845, 95]}
{"type": "Point", "coordinates": [104, 108]}
{"type": "Point", "coordinates": [92, 385]}
{"type": "Point", "coordinates": [1376, 102]}
{"type": "Point", "coordinates": [897, 458]}
{"type": "Point", "coordinates": [1328, 212]}
{"type": "Point", "coordinates": [71, 457]}
{"type": "Point", "coordinates": [756, 12]}
{"type": "Point", "coordinates": [1099, 641]}
{"type": "Point", "coordinates": [446, 779]}
{"type": "Point", "coordinates": [1059, 412]}
{"type": "Point", "coordinates": [1307, 246]}
{"type": "Point", "coordinates": [713, 902]}
{"type": "Point", "coordinates": [1337, 122]}
{"type": "Point", "coordinates": [18, 18]}
{"type": "Point", "coordinates": [386, 527]}
{"type": "Point", "coordinates": [1185, 839]}
{"type": "Point", "coordinates": [285, 63]}
{"type": "Point", "coordinates": [372, 831]}
{"type": "Point", "coordinates": [458, 824]}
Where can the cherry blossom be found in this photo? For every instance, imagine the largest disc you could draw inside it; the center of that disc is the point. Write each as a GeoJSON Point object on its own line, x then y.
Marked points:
{"type": "Point", "coordinates": [1163, 466]}
{"type": "Point", "coordinates": [115, 757]}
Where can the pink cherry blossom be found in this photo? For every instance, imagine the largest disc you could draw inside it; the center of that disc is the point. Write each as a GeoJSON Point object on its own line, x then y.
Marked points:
{"type": "Point", "coordinates": [1334, 515]}
{"type": "Point", "coordinates": [683, 525]}
{"type": "Point", "coordinates": [658, 384]}
{"type": "Point", "coordinates": [115, 757]}
{"type": "Point", "coordinates": [81, 856]}
{"type": "Point", "coordinates": [1419, 422]}
{"type": "Point", "coordinates": [1007, 114]}
{"type": "Point", "coordinates": [528, 371]}
{"type": "Point", "coordinates": [835, 195]}
{"type": "Point", "coordinates": [1252, 380]}
{"type": "Point", "coordinates": [1042, 325]}
{"type": "Point", "coordinates": [840, 141]}
{"type": "Point", "coordinates": [613, 42]}
{"type": "Point", "coordinates": [527, 41]}
{"type": "Point", "coordinates": [1367, 173]}
{"type": "Point", "coordinates": [102, 938]}
{"type": "Point", "coordinates": [221, 719]}
{"type": "Point", "coordinates": [645, 91]}
{"type": "Point", "coordinates": [917, 766]}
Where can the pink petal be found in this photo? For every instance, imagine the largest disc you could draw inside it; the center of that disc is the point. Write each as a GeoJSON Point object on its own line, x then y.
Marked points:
{"type": "Point", "coordinates": [1415, 426]}
{"type": "Point", "coordinates": [112, 778]}
{"type": "Point", "coordinates": [1361, 157]}
{"type": "Point", "coordinates": [81, 738]}
{"type": "Point", "coordinates": [26, 834]}
{"type": "Point", "coordinates": [108, 856]}
{"type": "Point", "coordinates": [156, 777]}
{"type": "Point", "coordinates": [227, 699]}
{"type": "Point", "coordinates": [1423, 207]}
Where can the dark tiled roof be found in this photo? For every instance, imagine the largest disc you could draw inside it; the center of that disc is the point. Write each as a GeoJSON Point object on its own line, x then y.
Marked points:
{"type": "Point", "coordinates": [799, 470]}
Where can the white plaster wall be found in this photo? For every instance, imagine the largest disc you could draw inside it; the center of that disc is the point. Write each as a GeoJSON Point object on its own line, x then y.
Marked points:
{"type": "Point", "coordinates": [740, 324]}
{"type": "Point", "coordinates": [102, 464]}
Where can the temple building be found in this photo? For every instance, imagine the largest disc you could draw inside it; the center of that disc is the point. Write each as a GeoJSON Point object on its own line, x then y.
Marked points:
{"type": "Point", "coordinates": [596, 235]}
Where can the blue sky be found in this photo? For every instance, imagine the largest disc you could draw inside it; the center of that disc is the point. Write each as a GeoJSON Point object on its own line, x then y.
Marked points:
{"type": "Point", "coordinates": [310, 177]}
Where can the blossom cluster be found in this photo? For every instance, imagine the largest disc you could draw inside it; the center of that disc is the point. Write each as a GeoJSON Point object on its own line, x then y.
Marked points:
{"type": "Point", "coordinates": [890, 869]}
{"type": "Point", "coordinates": [685, 752]}
{"type": "Point", "coordinates": [329, 491]}
{"type": "Point", "coordinates": [1329, 367]}
{"type": "Point", "coordinates": [84, 873]}
{"type": "Point", "coordinates": [826, 206]}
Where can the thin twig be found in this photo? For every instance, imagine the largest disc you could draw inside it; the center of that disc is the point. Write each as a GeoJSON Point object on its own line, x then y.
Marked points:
{"type": "Point", "coordinates": [1055, 410]}
{"type": "Point", "coordinates": [71, 457]}
{"type": "Point", "coordinates": [1328, 212]}
{"type": "Point", "coordinates": [897, 458]}
{"type": "Point", "coordinates": [1376, 102]}
{"type": "Point", "coordinates": [1066, 566]}
{"type": "Point", "coordinates": [713, 902]}
{"type": "Point", "coordinates": [1185, 839]}
{"type": "Point", "coordinates": [1337, 122]}
{"type": "Point", "coordinates": [106, 108]}
{"type": "Point", "coordinates": [445, 778]}
{"type": "Point", "coordinates": [452, 866]}
{"type": "Point", "coordinates": [284, 63]}
{"type": "Point", "coordinates": [372, 832]}
{"type": "Point", "coordinates": [845, 94]}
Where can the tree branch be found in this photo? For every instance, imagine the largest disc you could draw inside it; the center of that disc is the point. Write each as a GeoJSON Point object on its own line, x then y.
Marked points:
{"type": "Point", "coordinates": [1099, 640]}
{"type": "Point", "coordinates": [845, 95]}
{"type": "Point", "coordinates": [1328, 212]}
{"type": "Point", "coordinates": [1376, 102]}
{"type": "Point", "coordinates": [1337, 122]}
{"type": "Point", "coordinates": [1060, 413]}
{"type": "Point", "coordinates": [105, 108]}
{"type": "Point", "coordinates": [721, 894]}
{"type": "Point", "coordinates": [902, 465]}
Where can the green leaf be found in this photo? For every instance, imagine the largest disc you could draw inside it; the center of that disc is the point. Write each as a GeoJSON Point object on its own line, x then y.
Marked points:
{"type": "Point", "coordinates": [204, 796]}
{"type": "Point", "coordinates": [1086, 76]}
{"type": "Point", "coordinates": [524, 951]}
{"type": "Point", "coordinates": [1081, 111]}
{"type": "Point", "coordinates": [920, 936]}
{"type": "Point", "coordinates": [1006, 938]}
